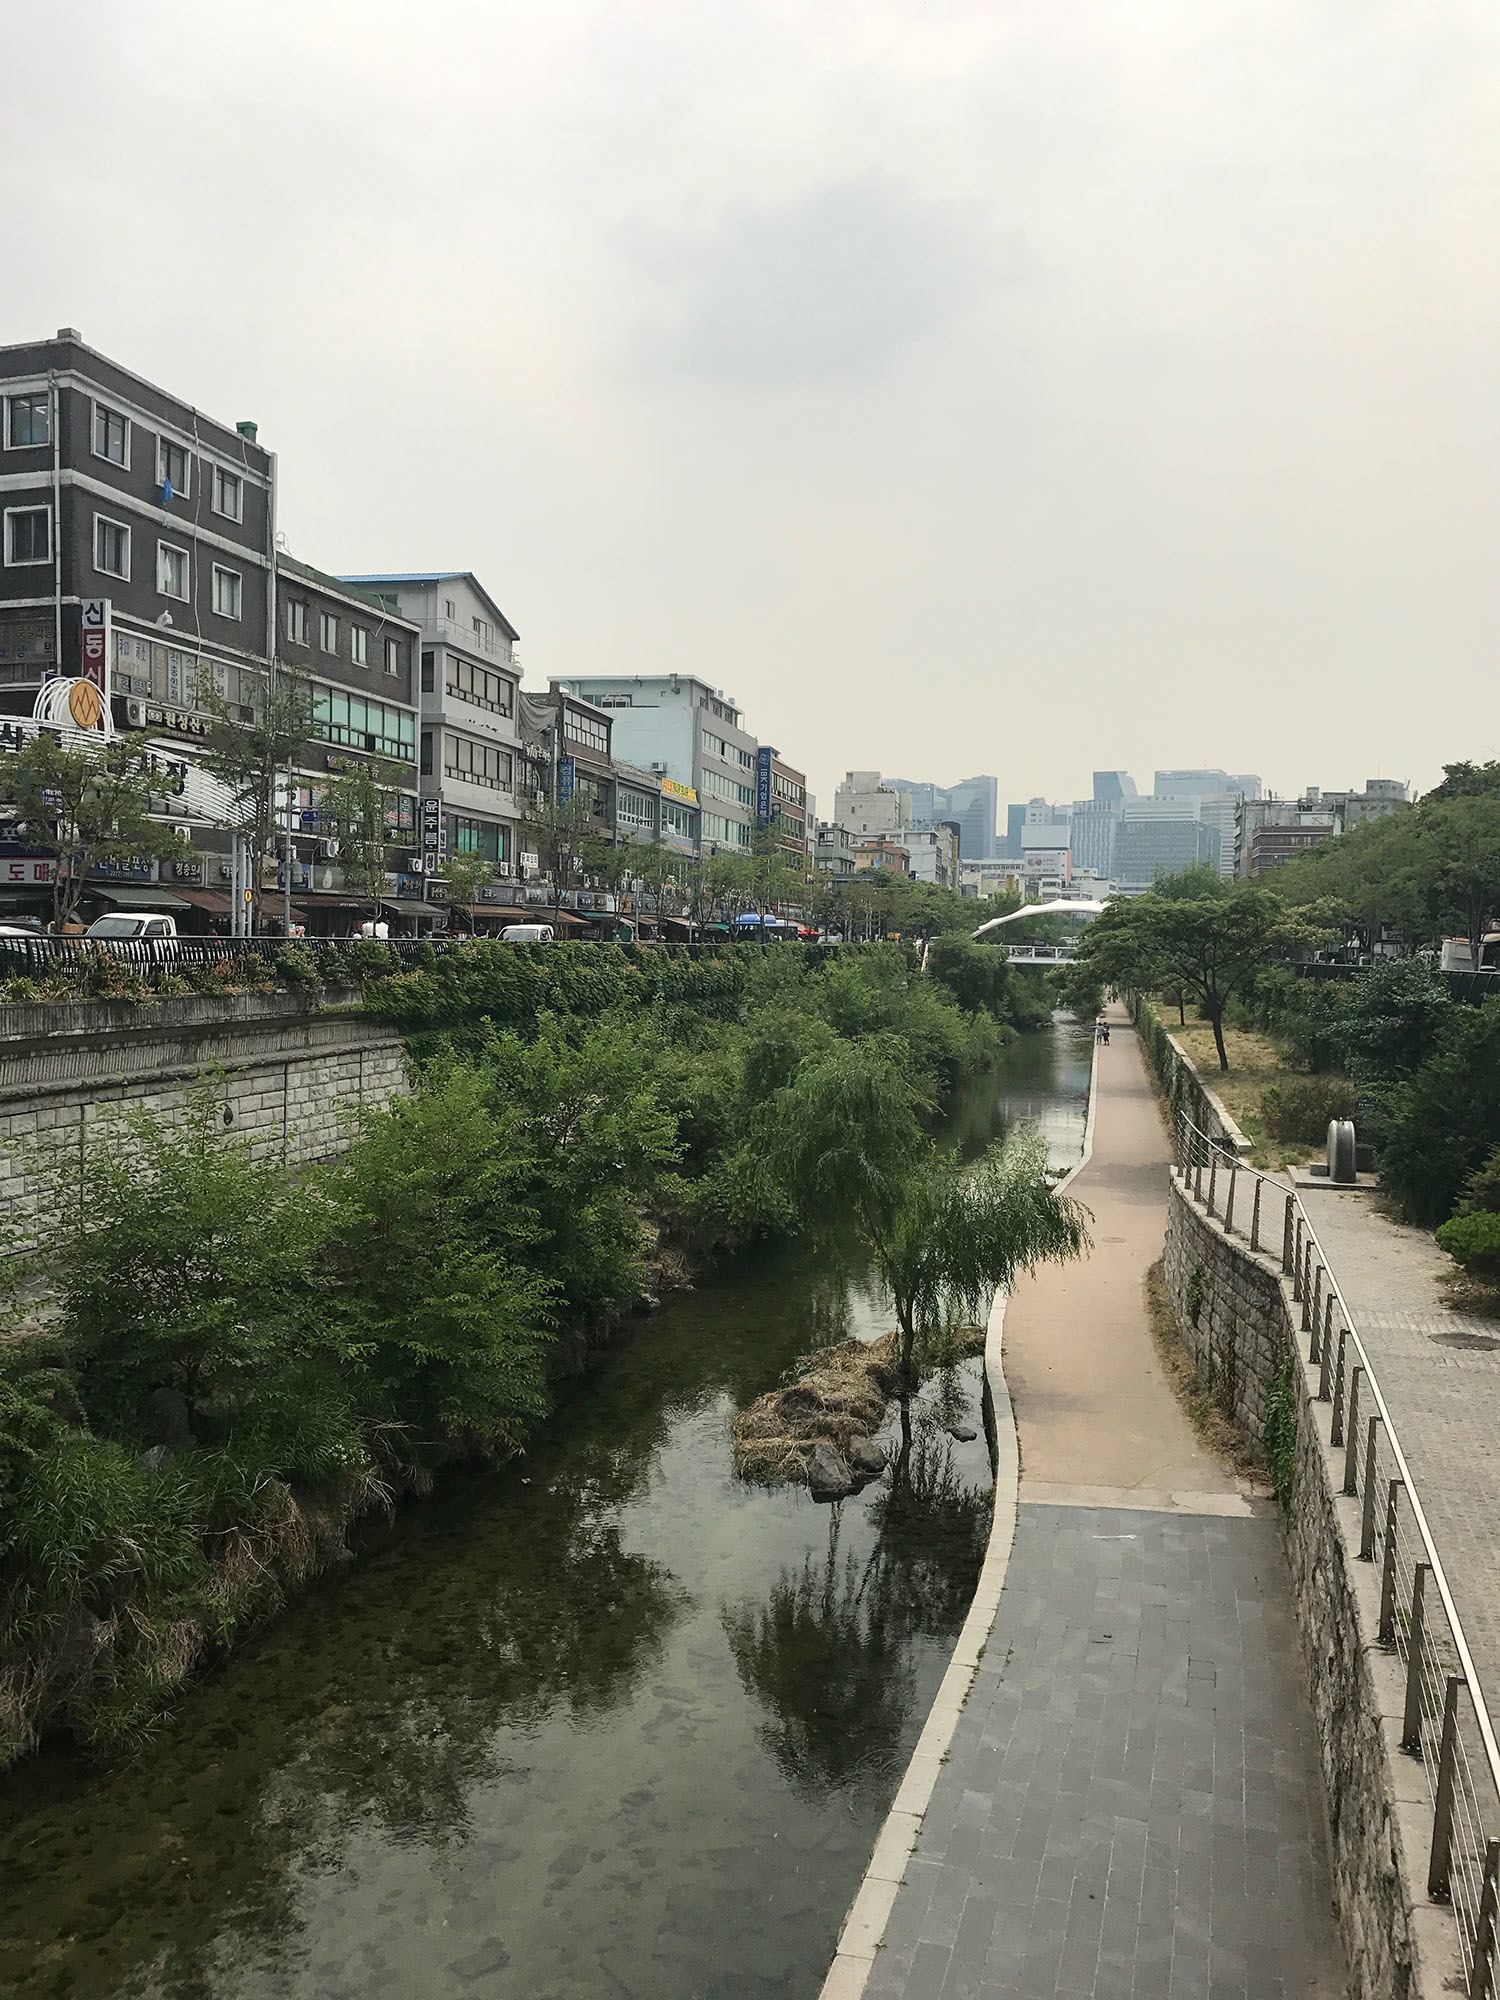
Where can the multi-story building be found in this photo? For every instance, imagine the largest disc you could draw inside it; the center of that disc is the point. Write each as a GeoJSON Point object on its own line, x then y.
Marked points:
{"type": "Point", "coordinates": [1091, 826]}
{"type": "Point", "coordinates": [788, 814]}
{"type": "Point", "coordinates": [933, 853]}
{"type": "Point", "coordinates": [833, 851]}
{"type": "Point", "coordinates": [999, 876]}
{"type": "Point", "coordinates": [140, 550]}
{"type": "Point", "coordinates": [1159, 837]}
{"type": "Point", "coordinates": [879, 851]}
{"type": "Point", "coordinates": [972, 804]}
{"type": "Point", "coordinates": [1270, 831]}
{"type": "Point", "coordinates": [1113, 787]}
{"type": "Point", "coordinates": [691, 733]}
{"type": "Point", "coordinates": [470, 737]}
{"type": "Point", "coordinates": [867, 806]}
{"type": "Point", "coordinates": [1015, 819]}
{"type": "Point", "coordinates": [1217, 795]}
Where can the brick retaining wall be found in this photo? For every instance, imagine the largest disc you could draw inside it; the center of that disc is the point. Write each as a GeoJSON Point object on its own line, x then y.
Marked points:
{"type": "Point", "coordinates": [1237, 1314]}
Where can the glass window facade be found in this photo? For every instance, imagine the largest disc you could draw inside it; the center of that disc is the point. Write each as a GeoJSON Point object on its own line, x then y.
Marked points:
{"type": "Point", "coordinates": [358, 723]}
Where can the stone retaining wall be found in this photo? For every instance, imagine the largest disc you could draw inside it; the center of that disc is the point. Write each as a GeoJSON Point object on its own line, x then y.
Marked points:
{"type": "Point", "coordinates": [286, 1077]}
{"type": "Point", "coordinates": [1237, 1313]}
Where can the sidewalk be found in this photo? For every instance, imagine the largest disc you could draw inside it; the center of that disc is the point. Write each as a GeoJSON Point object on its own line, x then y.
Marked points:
{"type": "Point", "coordinates": [1439, 1371]}
{"type": "Point", "coordinates": [1130, 1806]}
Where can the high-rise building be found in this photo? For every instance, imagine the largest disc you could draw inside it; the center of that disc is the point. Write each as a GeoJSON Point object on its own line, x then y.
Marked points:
{"type": "Point", "coordinates": [972, 803]}
{"type": "Point", "coordinates": [1217, 795]}
{"type": "Point", "coordinates": [1113, 787]}
{"type": "Point", "coordinates": [1092, 823]}
{"type": "Point", "coordinates": [1159, 837]}
{"type": "Point", "coordinates": [1015, 819]}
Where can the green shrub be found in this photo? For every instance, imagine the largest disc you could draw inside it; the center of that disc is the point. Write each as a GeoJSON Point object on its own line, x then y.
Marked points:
{"type": "Point", "coordinates": [297, 969]}
{"type": "Point", "coordinates": [1473, 1242]}
{"type": "Point", "coordinates": [1300, 1107]}
{"type": "Point", "coordinates": [1279, 1433]}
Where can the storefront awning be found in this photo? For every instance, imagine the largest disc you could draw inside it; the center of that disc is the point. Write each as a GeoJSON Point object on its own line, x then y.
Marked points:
{"type": "Point", "coordinates": [412, 906]}
{"type": "Point", "coordinates": [137, 896]}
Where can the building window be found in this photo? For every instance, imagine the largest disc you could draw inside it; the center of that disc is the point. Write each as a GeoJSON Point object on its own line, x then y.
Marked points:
{"type": "Point", "coordinates": [476, 763]}
{"type": "Point", "coordinates": [617, 701]}
{"type": "Point", "coordinates": [227, 592]}
{"type": "Point", "coordinates": [484, 632]}
{"type": "Point", "coordinates": [359, 645]}
{"type": "Point", "coordinates": [478, 685]}
{"type": "Point", "coordinates": [229, 494]}
{"type": "Point", "coordinates": [296, 623]}
{"type": "Point", "coordinates": [450, 609]}
{"type": "Point", "coordinates": [393, 656]}
{"type": "Point", "coordinates": [587, 730]}
{"type": "Point", "coordinates": [28, 535]}
{"type": "Point", "coordinates": [111, 436]}
{"type": "Point", "coordinates": [635, 809]}
{"type": "Point", "coordinates": [428, 665]}
{"type": "Point", "coordinates": [111, 547]}
{"type": "Point", "coordinates": [172, 571]}
{"type": "Point", "coordinates": [28, 419]}
{"type": "Point", "coordinates": [478, 836]}
{"type": "Point", "coordinates": [328, 632]}
{"type": "Point", "coordinates": [425, 766]}
{"type": "Point", "coordinates": [174, 467]}
{"type": "Point", "coordinates": [360, 724]}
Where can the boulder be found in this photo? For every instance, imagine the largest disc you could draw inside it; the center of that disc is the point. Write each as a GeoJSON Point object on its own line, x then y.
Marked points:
{"type": "Point", "coordinates": [866, 1459]}
{"type": "Point", "coordinates": [828, 1474]}
{"type": "Point", "coordinates": [961, 1433]}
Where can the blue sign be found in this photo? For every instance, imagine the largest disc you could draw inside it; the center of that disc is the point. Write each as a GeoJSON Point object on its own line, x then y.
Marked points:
{"type": "Point", "coordinates": [567, 778]}
{"type": "Point", "coordinates": [763, 758]}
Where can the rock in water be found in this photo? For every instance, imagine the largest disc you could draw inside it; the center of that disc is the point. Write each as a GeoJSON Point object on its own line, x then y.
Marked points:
{"type": "Point", "coordinates": [828, 1474]}
{"type": "Point", "coordinates": [866, 1459]}
{"type": "Point", "coordinates": [961, 1433]}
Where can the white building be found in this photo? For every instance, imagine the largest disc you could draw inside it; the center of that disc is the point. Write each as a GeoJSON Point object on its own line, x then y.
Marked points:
{"type": "Point", "coordinates": [864, 805]}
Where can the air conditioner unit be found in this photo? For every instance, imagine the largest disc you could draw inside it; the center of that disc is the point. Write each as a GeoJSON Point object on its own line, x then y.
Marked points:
{"type": "Point", "coordinates": [327, 850]}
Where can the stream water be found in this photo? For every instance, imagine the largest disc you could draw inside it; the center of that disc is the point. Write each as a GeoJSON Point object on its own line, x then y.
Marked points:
{"type": "Point", "coordinates": [605, 1723]}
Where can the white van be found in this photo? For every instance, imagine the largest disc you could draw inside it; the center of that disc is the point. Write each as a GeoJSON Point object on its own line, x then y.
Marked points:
{"type": "Point", "coordinates": [154, 933]}
{"type": "Point", "coordinates": [528, 934]}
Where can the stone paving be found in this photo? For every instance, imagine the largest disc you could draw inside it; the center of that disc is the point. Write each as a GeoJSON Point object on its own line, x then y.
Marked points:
{"type": "Point", "coordinates": [1439, 1371]}
{"type": "Point", "coordinates": [1130, 1805]}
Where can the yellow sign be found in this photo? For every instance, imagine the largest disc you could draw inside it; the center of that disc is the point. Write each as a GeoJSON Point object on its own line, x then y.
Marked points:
{"type": "Point", "coordinates": [672, 790]}
{"type": "Point", "coordinates": [86, 705]}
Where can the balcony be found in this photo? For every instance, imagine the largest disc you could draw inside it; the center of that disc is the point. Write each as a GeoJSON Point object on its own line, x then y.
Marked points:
{"type": "Point", "coordinates": [497, 647]}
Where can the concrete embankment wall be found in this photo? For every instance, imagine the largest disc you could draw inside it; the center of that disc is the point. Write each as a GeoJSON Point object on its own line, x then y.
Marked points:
{"type": "Point", "coordinates": [286, 1077]}
{"type": "Point", "coordinates": [1237, 1313]}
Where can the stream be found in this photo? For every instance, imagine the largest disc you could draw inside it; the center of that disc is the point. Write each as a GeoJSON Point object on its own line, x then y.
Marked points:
{"type": "Point", "coordinates": [604, 1723]}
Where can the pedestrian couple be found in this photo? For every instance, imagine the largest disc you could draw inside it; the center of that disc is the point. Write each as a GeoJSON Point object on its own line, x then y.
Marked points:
{"type": "Point", "coordinates": [1101, 1031]}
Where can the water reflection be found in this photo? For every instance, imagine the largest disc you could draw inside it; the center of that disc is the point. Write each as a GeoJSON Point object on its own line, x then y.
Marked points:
{"type": "Point", "coordinates": [607, 1722]}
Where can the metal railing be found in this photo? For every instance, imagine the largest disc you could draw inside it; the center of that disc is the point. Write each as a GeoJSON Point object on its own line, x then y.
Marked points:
{"type": "Point", "coordinates": [1445, 1724]}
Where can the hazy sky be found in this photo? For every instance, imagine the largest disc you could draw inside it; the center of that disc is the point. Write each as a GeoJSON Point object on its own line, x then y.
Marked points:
{"type": "Point", "coordinates": [1021, 387]}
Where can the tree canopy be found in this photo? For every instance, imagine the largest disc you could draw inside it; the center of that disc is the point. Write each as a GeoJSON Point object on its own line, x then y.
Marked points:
{"type": "Point", "coordinates": [87, 808]}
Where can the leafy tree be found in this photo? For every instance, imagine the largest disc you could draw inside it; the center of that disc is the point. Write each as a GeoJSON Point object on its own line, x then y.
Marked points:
{"type": "Point", "coordinates": [439, 1300]}
{"type": "Point", "coordinates": [847, 1139]}
{"type": "Point", "coordinates": [356, 806]}
{"type": "Point", "coordinates": [562, 835]}
{"type": "Point", "coordinates": [1441, 1123]}
{"type": "Point", "coordinates": [1458, 858]}
{"type": "Point", "coordinates": [1466, 781]}
{"type": "Point", "coordinates": [1212, 947]}
{"type": "Point", "coordinates": [86, 807]}
{"type": "Point", "coordinates": [466, 875]}
{"type": "Point", "coordinates": [254, 759]}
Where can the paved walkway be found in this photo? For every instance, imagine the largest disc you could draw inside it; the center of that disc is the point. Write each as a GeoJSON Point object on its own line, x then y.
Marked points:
{"type": "Point", "coordinates": [1130, 1807]}
{"type": "Point", "coordinates": [1439, 1371]}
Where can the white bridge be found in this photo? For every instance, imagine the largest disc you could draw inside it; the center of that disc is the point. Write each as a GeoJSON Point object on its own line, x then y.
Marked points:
{"type": "Point", "coordinates": [1041, 954]}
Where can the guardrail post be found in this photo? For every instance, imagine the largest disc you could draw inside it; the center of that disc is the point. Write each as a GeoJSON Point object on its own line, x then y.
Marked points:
{"type": "Point", "coordinates": [1255, 1217]}
{"type": "Point", "coordinates": [1351, 1428]}
{"type": "Point", "coordinates": [1336, 1428]}
{"type": "Point", "coordinates": [1482, 1969]}
{"type": "Point", "coordinates": [1213, 1178]}
{"type": "Point", "coordinates": [1229, 1204]}
{"type": "Point", "coordinates": [1296, 1259]}
{"type": "Point", "coordinates": [1286, 1239]}
{"type": "Point", "coordinates": [1315, 1344]}
{"type": "Point", "coordinates": [1411, 1719]}
{"type": "Point", "coordinates": [1388, 1566]}
{"type": "Point", "coordinates": [1198, 1176]}
{"type": "Point", "coordinates": [1367, 1526]}
{"type": "Point", "coordinates": [1442, 1811]}
{"type": "Point", "coordinates": [1325, 1359]}
{"type": "Point", "coordinates": [1312, 1297]}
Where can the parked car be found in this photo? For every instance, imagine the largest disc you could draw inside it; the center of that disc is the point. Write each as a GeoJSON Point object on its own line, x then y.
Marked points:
{"type": "Point", "coordinates": [138, 933]}
{"type": "Point", "coordinates": [528, 934]}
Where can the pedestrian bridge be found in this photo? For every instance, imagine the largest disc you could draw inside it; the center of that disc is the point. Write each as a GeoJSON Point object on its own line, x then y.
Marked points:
{"type": "Point", "coordinates": [1042, 954]}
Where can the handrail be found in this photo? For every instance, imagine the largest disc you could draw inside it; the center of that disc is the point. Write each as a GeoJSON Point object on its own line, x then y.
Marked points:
{"type": "Point", "coordinates": [1340, 1385]}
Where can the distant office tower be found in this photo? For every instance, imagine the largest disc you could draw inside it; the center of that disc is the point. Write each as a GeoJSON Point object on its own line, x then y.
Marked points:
{"type": "Point", "coordinates": [1159, 837]}
{"type": "Point", "coordinates": [1093, 823]}
{"type": "Point", "coordinates": [1015, 819]}
{"type": "Point", "coordinates": [1217, 795]}
{"type": "Point", "coordinates": [1114, 787]}
{"type": "Point", "coordinates": [971, 805]}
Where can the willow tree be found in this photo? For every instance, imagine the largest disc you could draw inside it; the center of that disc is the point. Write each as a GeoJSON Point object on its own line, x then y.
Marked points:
{"type": "Point", "coordinates": [847, 1140]}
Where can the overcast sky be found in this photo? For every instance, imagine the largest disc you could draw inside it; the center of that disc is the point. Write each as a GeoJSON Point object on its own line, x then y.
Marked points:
{"type": "Point", "coordinates": [1022, 386]}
